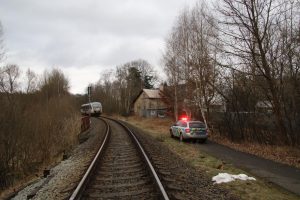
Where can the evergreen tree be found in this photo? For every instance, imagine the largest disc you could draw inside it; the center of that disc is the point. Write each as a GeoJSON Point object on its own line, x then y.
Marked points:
{"type": "Point", "coordinates": [148, 82]}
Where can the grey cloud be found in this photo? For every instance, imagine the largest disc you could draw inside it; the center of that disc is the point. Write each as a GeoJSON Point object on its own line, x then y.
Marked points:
{"type": "Point", "coordinates": [81, 33]}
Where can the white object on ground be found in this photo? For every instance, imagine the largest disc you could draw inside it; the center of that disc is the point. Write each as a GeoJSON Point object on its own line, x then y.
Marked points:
{"type": "Point", "coordinates": [225, 178]}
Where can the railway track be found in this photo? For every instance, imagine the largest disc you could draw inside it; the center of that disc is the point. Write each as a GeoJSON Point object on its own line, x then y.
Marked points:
{"type": "Point", "coordinates": [120, 169]}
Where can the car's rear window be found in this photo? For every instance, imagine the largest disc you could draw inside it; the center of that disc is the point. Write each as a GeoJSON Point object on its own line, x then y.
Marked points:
{"type": "Point", "coordinates": [183, 124]}
{"type": "Point", "coordinates": [197, 125]}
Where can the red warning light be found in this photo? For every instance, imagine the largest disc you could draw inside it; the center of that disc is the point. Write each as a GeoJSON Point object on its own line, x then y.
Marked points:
{"type": "Point", "coordinates": [184, 118]}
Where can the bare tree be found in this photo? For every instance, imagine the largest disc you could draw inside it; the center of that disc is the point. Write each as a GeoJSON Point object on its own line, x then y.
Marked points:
{"type": "Point", "coordinates": [203, 55]}
{"type": "Point", "coordinates": [9, 75]}
{"type": "Point", "coordinates": [107, 91]}
{"type": "Point", "coordinates": [172, 68]}
{"type": "Point", "coordinates": [31, 81]}
{"type": "Point", "coordinates": [252, 34]}
{"type": "Point", "coordinates": [190, 58]}
{"type": "Point", "coordinates": [54, 83]}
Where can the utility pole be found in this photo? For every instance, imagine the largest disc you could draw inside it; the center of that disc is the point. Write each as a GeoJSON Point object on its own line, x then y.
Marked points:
{"type": "Point", "coordinates": [89, 96]}
{"type": "Point", "coordinates": [89, 93]}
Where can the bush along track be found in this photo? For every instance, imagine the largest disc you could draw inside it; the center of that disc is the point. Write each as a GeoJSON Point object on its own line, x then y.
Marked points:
{"type": "Point", "coordinates": [64, 177]}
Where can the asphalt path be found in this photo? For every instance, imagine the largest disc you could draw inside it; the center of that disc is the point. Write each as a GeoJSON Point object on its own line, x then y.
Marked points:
{"type": "Point", "coordinates": [280, 174]}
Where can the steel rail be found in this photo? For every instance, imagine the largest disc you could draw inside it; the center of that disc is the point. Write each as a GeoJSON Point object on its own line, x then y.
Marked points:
{"type": "Point", "coordinates": [82, 184]}
{"type": "Point", "coordinates": [146, 158]}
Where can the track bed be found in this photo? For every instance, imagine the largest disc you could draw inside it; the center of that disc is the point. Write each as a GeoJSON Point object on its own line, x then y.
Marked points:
{"type": "Point", "coordinates": [121, 172]}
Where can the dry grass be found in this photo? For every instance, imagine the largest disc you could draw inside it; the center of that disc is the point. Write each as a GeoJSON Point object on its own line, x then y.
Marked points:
{"type": "Point", "coordinates": [158, 128]}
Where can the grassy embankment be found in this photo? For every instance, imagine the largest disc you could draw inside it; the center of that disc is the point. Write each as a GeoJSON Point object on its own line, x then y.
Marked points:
{"type": "Point", "coordinates": [259, 189]}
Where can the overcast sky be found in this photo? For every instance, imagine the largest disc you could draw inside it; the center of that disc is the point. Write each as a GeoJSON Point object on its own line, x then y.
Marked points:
{"type": "Point", "coordinates": [85, 37]}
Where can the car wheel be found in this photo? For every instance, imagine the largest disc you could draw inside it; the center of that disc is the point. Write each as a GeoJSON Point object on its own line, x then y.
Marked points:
{"type": "Point", "coordinates": [181, 139]}
{"type": "Point", "coordinates": [171, 133]}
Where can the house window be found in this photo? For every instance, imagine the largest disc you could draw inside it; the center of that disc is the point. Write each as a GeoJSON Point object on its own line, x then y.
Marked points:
{"type": "Point", "coordinates": [153, 113]}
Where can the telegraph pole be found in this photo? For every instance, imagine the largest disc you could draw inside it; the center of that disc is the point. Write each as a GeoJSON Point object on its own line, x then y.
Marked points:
{"type": "Point", "coordinates": [89, 93]}
{"type": "Point", "coordinates": [89, 96]}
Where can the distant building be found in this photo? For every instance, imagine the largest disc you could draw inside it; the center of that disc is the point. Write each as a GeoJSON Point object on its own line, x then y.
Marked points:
{"type": "Point", "coordinates": [149, 103]}
{"type": "Point", "coordinates": [217, 104]}
{"type": "Point", "coordinates": [264, 106]}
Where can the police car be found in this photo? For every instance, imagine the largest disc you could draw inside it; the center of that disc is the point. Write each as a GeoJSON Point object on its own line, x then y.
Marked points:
{"type": "Point", "coordinates": [186, 129]}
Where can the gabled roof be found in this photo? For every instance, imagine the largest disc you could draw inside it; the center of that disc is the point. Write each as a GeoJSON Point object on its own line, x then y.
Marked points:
{"type": "Point", "coordinates": [152, 93]}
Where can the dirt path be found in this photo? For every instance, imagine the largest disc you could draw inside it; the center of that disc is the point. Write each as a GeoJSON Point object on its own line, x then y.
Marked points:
{"type": "Point", "coordinates": [277, 173]}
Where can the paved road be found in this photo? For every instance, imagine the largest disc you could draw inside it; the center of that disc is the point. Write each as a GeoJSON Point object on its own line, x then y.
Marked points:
{"type": "Point", "coordinates": [277, 173]}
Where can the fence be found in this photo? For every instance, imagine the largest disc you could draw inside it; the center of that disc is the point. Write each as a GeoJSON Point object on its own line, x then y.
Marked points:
{"type": "Point", "coordinates": [85, 123]}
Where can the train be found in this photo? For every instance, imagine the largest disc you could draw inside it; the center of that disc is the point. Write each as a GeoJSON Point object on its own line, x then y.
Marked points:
{"type": "Point", "coordinates": [93, 109]}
